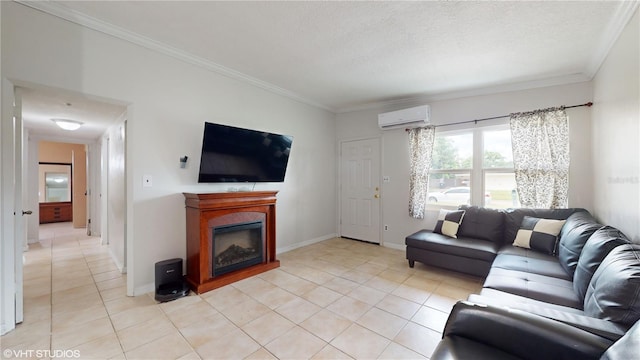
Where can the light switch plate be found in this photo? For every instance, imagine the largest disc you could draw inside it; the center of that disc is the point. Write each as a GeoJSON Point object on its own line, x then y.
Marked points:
{"type": "Point", "coordinates": [386, 179]}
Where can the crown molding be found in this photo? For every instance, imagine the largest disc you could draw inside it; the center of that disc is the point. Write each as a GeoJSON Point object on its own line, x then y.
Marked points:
{"type": "Point", "coordinates": [82, 19]}
{"type": "Point", "coordinates": [486, 90]}
{"type": "Point", "coordinates": [622, 16]}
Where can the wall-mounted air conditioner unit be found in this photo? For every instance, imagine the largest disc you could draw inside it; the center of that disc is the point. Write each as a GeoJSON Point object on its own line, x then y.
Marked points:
{"type": "Point", "coordinates": [413, 117]}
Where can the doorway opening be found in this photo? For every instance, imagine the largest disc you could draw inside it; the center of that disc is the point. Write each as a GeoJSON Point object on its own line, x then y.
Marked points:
{"type": "Point", "coordinates": [61, 190]}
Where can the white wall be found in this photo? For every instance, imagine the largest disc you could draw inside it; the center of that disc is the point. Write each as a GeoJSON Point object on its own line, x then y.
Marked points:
{"type": "Point", "coordinates": [395, 163]}
{"type": "Point", "coordinates": [170, 100]}
{"type": "Point", "coordinates": [616, 134]}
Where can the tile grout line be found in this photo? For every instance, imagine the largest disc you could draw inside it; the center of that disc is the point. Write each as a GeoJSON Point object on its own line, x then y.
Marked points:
{"type": "Point", "coordinates": [295, 324]}
{"type": "Point", "coordinates": [95, 283]}
{"type": "Point", "coordinates": [355, 322]}
{"type": "Point", "coordinates": [301, 272]}
{"type": "Point", "coordinates": [177, 329]}
{"type": "Point", "coordinates": [50, 291]}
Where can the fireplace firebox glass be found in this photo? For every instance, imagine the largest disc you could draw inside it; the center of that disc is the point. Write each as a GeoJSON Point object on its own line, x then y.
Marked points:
{"type": "Point", "coordinates": [236, 246]}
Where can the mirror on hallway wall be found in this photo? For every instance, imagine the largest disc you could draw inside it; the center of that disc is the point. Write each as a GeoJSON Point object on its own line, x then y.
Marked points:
{"type": "Point", "coordinates": [55, 183]}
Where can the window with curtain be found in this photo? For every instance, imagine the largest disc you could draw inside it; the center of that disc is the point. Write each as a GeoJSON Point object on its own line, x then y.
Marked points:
{"type": "Point", "coordinates": [420, 149]}
{"type": "Point", "coordinates": [541, 157]}
{"type": "Point", "coordinates": [474, 167]}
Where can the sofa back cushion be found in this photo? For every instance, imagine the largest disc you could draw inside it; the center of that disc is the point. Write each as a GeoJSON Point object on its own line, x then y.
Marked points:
{"type": "Point", "coordinates": [574, 234]}
{"type": "Point", "coordinates": [595, 250]}
{"type": "Point", "coordinates": [482, 223]}
{"type": "Point", "coordinates": [513, 219]}
{"type": "Point", "coordinates": [614, 290]}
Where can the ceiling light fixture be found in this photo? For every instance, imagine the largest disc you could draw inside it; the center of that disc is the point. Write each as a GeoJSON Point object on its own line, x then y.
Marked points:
{"type": "Point", "coordinates": [67, 124]}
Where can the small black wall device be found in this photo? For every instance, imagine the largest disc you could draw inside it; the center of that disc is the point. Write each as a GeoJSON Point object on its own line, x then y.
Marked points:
{"type": "Point", "coordinates": [170, 284]}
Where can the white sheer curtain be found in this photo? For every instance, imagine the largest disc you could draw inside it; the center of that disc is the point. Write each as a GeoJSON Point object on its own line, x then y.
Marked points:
{"type": "Point", "coordinates": [420, 149]}
{"type": "Point", "coordinates": [541, 157]}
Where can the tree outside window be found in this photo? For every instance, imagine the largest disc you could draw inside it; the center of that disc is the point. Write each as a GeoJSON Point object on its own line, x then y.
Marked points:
{"type": "Point", "coordinates": [451, 179]}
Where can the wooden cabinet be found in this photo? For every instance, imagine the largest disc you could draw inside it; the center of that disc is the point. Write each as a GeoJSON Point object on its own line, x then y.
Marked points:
{"type": "Point", "coordinates": [55, 212]}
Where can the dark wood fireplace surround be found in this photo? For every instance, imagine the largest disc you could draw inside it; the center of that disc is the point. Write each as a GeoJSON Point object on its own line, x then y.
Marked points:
{"type": "Point", "coordinates": [206, 211]}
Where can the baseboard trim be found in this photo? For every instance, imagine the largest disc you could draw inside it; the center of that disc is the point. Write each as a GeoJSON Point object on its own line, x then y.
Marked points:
{"type": "Point", "coordinates": [395, 246]}
{"type": "Point", "coordinates": [144, 289]}
{"type": "Point", "coordinates": [147, 288]}
{"type": "Point", "coordinates": [284, 249]}
{"type": "Point", "coordinates": [5, 328]}
{"type": "Point", "coordinates": [121, 267]}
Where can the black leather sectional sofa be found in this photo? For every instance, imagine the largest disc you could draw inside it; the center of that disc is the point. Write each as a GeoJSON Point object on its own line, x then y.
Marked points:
{"type": "Point", "coordinates": [484, 332]}
{"type": "Point", "coordinates": [590, 279]}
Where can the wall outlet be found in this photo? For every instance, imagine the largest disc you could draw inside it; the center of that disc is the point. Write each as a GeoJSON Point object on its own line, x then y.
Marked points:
{"type": "Point", "coordinates": [386, 227]}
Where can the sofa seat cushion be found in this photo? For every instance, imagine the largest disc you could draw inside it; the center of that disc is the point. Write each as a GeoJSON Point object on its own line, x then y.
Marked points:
{"type": "Point", "coordinates": [501, 298]}
{"type": "Point", "coordinates": [567, 315]}
{"type": "Point", "coordinates": [547, 267]}
{"type": "Point", "coordinates": [534, 286]}
{"type": "Point", "coordinates": [527, 253]}
{"type": "Point", "coordinates": [462, 246]}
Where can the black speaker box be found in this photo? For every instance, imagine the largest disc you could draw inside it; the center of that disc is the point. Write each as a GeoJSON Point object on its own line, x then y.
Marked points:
{"type": "Point", "coordinates": [170, 284]}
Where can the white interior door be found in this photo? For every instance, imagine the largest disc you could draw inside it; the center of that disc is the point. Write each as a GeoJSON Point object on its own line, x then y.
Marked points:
{"type": "Point", "coordinates": [360, 190]}
{"type": "Point", "coordinates": [7, 243]}
{"type": "Point", "coordinates": [20, 201]}
{"type": "Point", "coordinates": [116, 204]}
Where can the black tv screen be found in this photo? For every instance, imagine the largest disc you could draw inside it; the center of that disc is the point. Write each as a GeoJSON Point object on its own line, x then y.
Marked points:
{"type": "Point", "coordinates": [232, 154]}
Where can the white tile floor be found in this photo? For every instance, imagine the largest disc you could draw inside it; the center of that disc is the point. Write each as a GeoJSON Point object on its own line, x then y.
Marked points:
{"type": "Point", "coordinates": [337, 299]}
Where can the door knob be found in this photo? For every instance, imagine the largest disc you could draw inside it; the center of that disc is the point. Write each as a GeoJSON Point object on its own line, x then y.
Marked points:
{"type": "Point", "coordinates": [28, 212]}
{"type": "Point", "coordinates": [376, 196]}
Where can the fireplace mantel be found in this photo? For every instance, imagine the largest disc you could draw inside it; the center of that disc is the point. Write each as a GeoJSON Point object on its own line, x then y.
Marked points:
{"type": "Point", "coordinates": [206, 209]}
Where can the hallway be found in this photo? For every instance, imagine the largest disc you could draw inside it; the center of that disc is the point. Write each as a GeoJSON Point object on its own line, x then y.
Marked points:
{"type": "Point", "coordinates": [69, 282]}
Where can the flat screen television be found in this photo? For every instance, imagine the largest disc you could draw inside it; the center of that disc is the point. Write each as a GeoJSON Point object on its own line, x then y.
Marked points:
{"type": "Point", "coordinates": [232, 154]}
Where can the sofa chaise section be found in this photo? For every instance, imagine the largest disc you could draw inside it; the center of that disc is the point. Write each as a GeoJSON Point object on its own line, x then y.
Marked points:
{"type": "Point", "coordinates": [467, 255]}
{"type": "Point", "coordinates": [478, 240]}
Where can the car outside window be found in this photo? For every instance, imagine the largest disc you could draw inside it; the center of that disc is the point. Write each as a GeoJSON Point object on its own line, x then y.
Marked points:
{"type": "Point", "coordinates": [473, 167]}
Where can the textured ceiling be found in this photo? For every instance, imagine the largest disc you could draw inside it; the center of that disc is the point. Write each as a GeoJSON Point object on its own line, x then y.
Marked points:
{"type": "Point", "coordinates": [348, 54]}
{"type": "Point", "coordinates": [351, 55]}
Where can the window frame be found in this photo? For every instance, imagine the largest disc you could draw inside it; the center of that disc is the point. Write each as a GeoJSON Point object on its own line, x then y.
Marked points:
{"type": "Point", "coordinates": [477, 173]}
